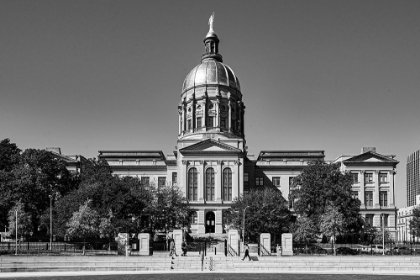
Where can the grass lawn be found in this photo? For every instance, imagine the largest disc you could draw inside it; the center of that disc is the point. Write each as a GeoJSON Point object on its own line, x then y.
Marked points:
{"type": "Point", "coordinates": [221, 276]}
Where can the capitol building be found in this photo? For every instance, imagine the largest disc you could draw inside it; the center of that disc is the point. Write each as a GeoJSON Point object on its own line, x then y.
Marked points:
{"type": "Point", "coordinates": [211, 164]}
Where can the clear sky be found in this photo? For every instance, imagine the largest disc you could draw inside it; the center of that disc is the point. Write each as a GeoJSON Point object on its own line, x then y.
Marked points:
{"type": "Point", "coordinates": [96, 75]}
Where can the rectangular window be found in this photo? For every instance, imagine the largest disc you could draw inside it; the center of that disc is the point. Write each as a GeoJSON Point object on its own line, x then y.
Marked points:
{"type": "Point", "coordinates": [145, 181]}
{"type": "Point", "coordinates": [355, 177]}
{"type": "Point", "coordinates": [198, 122]}
{"type": "Point", "coordinates": [368, 178]}
{"type": "Point", "coordinates": [369, 219]}
{"type": "Point", "coordinates": [385, 219]}
{"type": "Point", "coordinates": [174, 178]}
{"type": "Point", "coordinates": [383, 198]}
{"type": "Point", "coordinates": [355, 194]}
{"type": "Point", "coordinates": [161, 182]}
{"type": "Point", "coordinates": [276, 182]}
{"type": "Point", "coordinates": [246, 179]}
{"type": "Point", "coordinates": [383, 178]}
{"type": "Point", "coordinates": [369, 198]}
{"type": "Point", "coordinates": [189, 125]}
{"type": "Point", "coordinates": [222, 123]}
{"type": "Point", "coordinates": [290, 181]}
{"type": "Point", "coordinates": [210, 121]}
{"type": "Point", "coordinates": [259, 181]}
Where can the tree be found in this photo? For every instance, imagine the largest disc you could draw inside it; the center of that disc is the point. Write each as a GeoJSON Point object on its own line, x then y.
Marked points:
{"type": "Point", "coordinates": [107, 228]}
{"type": "Point", "coordinates": [266, 213]}
{"type": "Point", "coordinates": [415, 222]}
{"type": "Point", "coordinates": [332, 223]}
{"type": "Point", "coordinates": [84, 223]}
{"type": "Point", "coordinates": [168, 208]}
{"type": "Point", "coordinates": [321, 185]}
{"type": "Point", "coordinates": [303, 230]}
{"type": "Point", "coordinates": [24, 221]}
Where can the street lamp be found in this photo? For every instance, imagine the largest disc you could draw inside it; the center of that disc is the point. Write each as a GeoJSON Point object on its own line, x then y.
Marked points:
{"type": "Point", "coordinates": [383, 233]}
{"type": "Point", "coordinates": [243, 224]}
{"type": "Point", "coordinates": [51, 237]}
{"type": "Point", "coordinates": [16, 232]}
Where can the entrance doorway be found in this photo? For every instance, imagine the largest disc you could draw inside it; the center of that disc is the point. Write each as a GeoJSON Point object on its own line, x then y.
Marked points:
{"type": "Point", "coordinates": [210, 222]}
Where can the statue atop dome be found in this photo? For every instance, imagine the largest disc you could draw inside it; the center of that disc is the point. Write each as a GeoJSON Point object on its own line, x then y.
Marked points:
{"type": "Point", "coordinates": [211, 20]}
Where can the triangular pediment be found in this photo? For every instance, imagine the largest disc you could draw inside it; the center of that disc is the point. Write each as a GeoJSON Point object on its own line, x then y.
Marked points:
{"type": "Point", "coordinates": [370, 157]}
{"type": "Point", "coordinates": [210, 146]}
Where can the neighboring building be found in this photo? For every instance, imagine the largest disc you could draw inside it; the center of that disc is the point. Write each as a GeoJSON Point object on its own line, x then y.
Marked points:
{"type": "Point", "coordinates": [73, 161]}
{"type": "Point", "coordinates": [403, 223]}
{"type": "Point", "coordinates": [413, 177]}
{"type": "Point", "coordinates": [374, 177]}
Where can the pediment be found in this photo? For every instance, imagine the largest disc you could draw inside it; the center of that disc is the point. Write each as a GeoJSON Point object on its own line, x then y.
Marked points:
{"type": "Point", "coordinates": [370, 157]}
{"type": "Point", "coordinates": [210, 146]}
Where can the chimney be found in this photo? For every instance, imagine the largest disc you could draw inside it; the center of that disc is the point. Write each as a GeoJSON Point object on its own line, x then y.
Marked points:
{"type": "Point", "coordinates": [368, 149]}
{"type": "Point", "coordinates": [55, 150]}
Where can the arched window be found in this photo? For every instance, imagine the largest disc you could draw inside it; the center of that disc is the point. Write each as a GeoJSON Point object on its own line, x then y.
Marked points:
{"type": "Point", "coordinates": [210, 184]}
{"type": "Point", "coordinates": [227, 184]}
{"type": "Point", "coordinates": [193, 218]}
{"type": "Point", "coordinates": [192, 184]}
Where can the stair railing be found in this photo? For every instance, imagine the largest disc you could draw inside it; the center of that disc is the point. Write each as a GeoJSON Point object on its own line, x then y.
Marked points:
{"type": "Point", "coordinates": [231, 251]}
{"type": "Point", "coordinates": [264, 251]}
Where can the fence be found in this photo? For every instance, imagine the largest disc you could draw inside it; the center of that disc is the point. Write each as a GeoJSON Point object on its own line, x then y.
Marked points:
{"type": "Point", "coordinates": [96, 248]}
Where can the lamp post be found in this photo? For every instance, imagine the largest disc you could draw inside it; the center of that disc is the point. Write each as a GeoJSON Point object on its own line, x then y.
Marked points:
{"type": "Point", "coordinates": [243, 224]}
{"type": "Point", "coordinates": [16, 232]}
{"type": "Point", "coordinates": [51, 236]}
{"type": "Point", "coordinates": [383, 233]}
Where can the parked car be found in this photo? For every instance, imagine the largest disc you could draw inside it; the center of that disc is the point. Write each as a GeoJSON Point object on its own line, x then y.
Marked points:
{"type": "Point", "coordinates": [310, 249]}
{"type": "Point", "coordinates": [379, 249]}
{"type": "Point", "coordinates": [401, 250]}
{"type": "Point", "coordinates": [346, 251]}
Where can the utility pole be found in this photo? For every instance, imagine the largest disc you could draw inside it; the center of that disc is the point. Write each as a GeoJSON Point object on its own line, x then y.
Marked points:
{"type": "Point", "coordinates": [51, 237]}
{"type": "Point", "coordinates": [16, 232]}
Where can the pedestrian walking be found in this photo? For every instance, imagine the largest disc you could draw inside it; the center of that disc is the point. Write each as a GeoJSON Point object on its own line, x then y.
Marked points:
{"type": "Point", "coordinates": [173, 249]}
{"type": "Point", "coordinates": [246, 253]}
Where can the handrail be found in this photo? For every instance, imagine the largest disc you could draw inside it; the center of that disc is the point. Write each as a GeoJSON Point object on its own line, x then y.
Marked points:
{"type": "Point", "coordinates": [231, 251]}
{"type": "Point", "coordinates": [264, 251]}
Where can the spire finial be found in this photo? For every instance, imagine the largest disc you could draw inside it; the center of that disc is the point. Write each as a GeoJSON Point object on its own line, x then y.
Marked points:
{"type": "Point", "coordinates": [211, 20]}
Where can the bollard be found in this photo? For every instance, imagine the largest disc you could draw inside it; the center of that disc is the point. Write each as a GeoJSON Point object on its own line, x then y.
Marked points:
{"type": "Point", "coordinates": [215, 250]}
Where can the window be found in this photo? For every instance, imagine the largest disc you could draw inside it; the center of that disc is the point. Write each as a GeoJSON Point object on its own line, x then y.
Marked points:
{"type": "Point", "coordinates": [233, 125]}
{"type": "Point", "coordinates": [193, 218]}
{"type": "Point", "coordinates": [383, 178]}
{"type": "Point", "coordinates": [383, 198]}
{"type": "Point", "coordinates": [259, 181]}
{"type": "Point", "coordinates": [222, 123]}
{"type": "Point", "coordinates": [189, 125]}
{"type": "Point", "coordinates": [290, 181]}
{"type": "Point", "coordinates": [355, 194]}
{"type": "Point", "coordinates": [145, 181]}
{"type": "Point", "coordinates": [355, 177]}
{"type": "Point", "coordinates": [276, 182]}
{"type": "Point", "coordinates": [369, 198]}
{"type": "Point", "coordinates": [385, 219]}
{"type": "Point", "coordinates": [210, 184]}
{"type": "Point", "coordinates": [291, 198]}
{"type": "Point", "coordinates": [368, 178]}
{"type": "Point", "coordinates": [227, 184]}
{"type": "Point", "coordinates": [192, 184]}
{"type": "Point", "coordinates": [210, 122]}
{"type": "Point", "coordinates": [174, 178]}
{"type": "Point", "coordinates": [246, 179]}
{"type": "Point", "coordinates": [198, 122]}
{"type": "Point", "coordinates": [161, 182]}
{"type": "Point", "coordinates": [369, 220]}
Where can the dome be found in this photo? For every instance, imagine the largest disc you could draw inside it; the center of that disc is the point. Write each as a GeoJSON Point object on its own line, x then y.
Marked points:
{"type": "Point", "coordinates": [211, 72]}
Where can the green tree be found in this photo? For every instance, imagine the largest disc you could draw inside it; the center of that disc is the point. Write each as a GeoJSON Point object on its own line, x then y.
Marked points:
{"type": "Point", "coordinates": [24, 221]}
{"type": "Point", "coordinates": [168, 208]}
{"type": "Point", "coordinates": [107, 228]}
{"type": "Point", "coordinates": [415, 222]}
{"type": "Point", "coordinates": [266, 213]}
{"type": "Point", "coordinates": [332, 223]}
{"type": "Point", "coordinates": [84, 223]}
{"type": "Point", "coordinates": [303, 230]}
{"type": "Point", "coordinates": [320, 185]}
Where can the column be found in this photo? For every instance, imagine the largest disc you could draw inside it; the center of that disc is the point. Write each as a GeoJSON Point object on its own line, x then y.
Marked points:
{"type": "Point", "coordinates": [217, 119]}
{"type": "Point", "coordinates": [229, 120]}
{"type": "Point", "coordinates": [184, 175]}
{"type": "Point", "coordinates": [218, 222]}
{"type": "Point", "coordinates": [218, 181]}
{"type": "Point", "coordinates": [205, 112]}
{"type": "Point", "coordinates": [179, 120]}
{"type": "Point", "coordinates": [193, 112]}
{"type": "Point", "coordinates": [235, 180]}
{"type": "Point", "coordinates": [362, 188]}
{"type": "Point", "coordinates": [391, 198]}
{"type": "Point", "coordinates": [184, 115]}
{"type": "Point", "coordinates": [201, 222]}
{"type": "Point", "coordinates": [376, 193]}
{"type": "Point", "coordinates": [241, 177]}
{"type": "Point", "coordinates": [243, 120]}
{"type": "Point", "coordinates": [200, 180]}
{"type": "Point", "coordinates": [239, 122]}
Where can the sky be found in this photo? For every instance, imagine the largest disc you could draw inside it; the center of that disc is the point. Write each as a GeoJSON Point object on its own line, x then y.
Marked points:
{"type": "Point", "coordinates": [107, 75]}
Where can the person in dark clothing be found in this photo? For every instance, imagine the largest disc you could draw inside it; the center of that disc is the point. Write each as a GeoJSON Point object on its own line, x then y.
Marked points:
{"type": "Point", "coordinates": [246, 253]}
{"type": "Point", "coordinates": [172, 247]}
{"type": "Point", "coordinates": [184, 248]}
